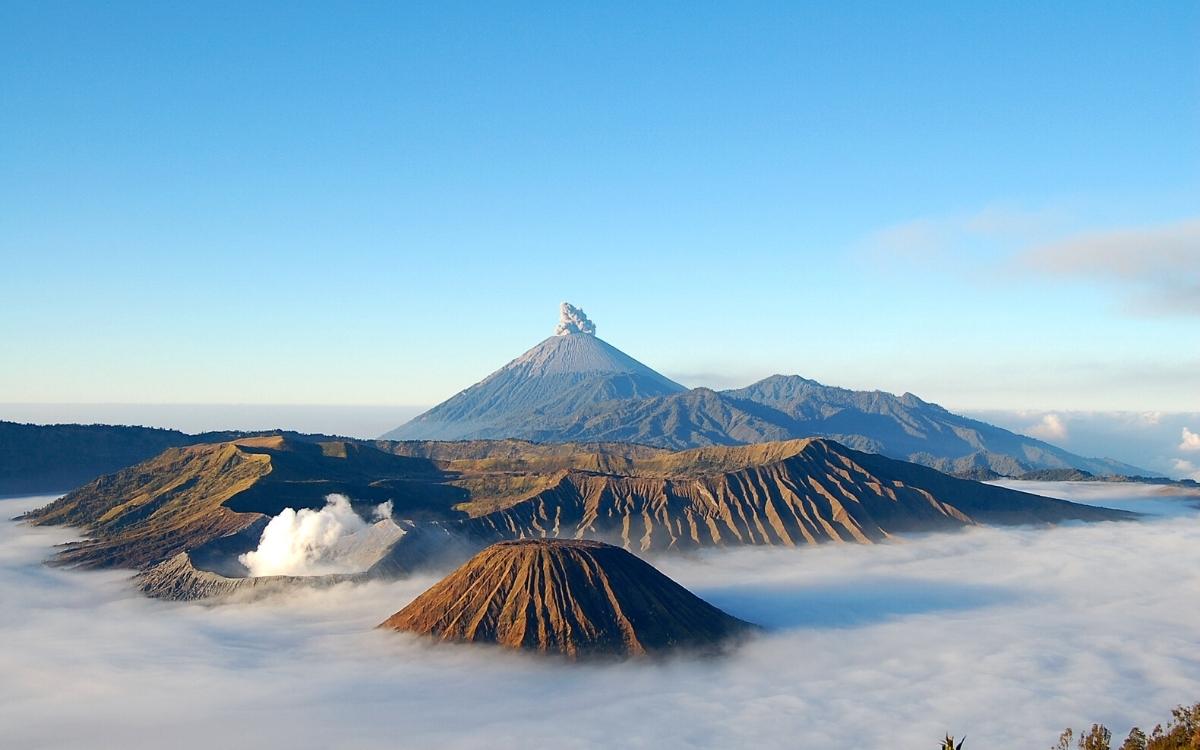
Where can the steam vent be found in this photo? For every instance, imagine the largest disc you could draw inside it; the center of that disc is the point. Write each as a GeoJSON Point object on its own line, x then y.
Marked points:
{"type": "Point", "coordinates": [572, 597]}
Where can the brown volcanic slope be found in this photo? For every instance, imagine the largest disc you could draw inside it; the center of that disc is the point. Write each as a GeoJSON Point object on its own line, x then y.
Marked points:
{"type": "Point", "coordinates": [789, 493]}
{"type": "Point", "coordinates": [574, 597]}
{"type": "Point", "coordinates": [186, 498]}
{"type": "Point", "coordinates": [212, 500]}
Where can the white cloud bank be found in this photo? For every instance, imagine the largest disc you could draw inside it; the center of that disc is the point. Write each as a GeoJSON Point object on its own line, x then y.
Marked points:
{"type": "Point", "coordinates": [1187, 468]}
{"type": "Point", "coordinates": [1003, 635]}
{"type": "Point", "coordinates": [306, 542]}
{"type": "Point", "coordinates": [1050, 427]}
{"type": "Point", "coordinates": [1149, 440]}
{"type": "Point", "coordinates": [1190, 442]}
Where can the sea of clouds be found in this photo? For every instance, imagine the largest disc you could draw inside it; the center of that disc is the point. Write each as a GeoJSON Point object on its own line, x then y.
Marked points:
{"type": "Point", "coordinates": [1006, 635]}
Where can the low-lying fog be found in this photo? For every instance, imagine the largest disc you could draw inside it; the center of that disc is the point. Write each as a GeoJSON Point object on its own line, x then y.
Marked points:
{"type": "Point", "coordinates": [1006, 635]}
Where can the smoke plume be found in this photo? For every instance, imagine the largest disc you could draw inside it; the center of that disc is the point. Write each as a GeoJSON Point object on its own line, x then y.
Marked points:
{"type": "Point", "coordinates": [573, 320]}
{"type": "Point", "coordinates": [306, 542]}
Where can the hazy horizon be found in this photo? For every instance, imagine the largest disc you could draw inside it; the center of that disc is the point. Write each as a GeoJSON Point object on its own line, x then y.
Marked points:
{"type": "Point", "coordinates": [1151, 440]}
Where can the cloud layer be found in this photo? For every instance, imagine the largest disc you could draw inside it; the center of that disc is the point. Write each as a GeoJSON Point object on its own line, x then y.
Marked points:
{"type": "Point", "coordinates": [1187, 468]}
{"type": "Point", "coordinates": [1190, 442]}
{"type": "Point", "coordinates": [1050, 427]}
{"type": "Point", "coordinates": [1005, 635]}
{"type": "Point", "coordinates": [1153, 440]}
{"type": "Point", "coordinates": [1159, 266]}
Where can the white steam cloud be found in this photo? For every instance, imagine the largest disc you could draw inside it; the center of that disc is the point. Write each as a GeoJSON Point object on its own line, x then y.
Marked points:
{"type": "Point", "coordinates": [1005, 635]}
{"type": "Point", "coordinates": [573, 320]}
{"type": "Point", "coordinates": [310, 542]}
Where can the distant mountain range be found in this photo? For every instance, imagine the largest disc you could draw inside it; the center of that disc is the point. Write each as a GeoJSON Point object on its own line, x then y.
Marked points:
{"type": "Point", "coordinates": [576, 387]}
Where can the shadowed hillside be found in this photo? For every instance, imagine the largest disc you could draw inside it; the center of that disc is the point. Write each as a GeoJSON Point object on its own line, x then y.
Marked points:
{"type": "Point", "coordinates": [53, 458]}
{"type": "Point", "coordinates": [59, 457]}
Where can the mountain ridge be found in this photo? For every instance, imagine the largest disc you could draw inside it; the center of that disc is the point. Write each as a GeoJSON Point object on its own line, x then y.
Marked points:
{"type": "Point", "coordinates": [552, 394]}
{"type": "Point", "coordinates": [793, 493]}
{"type": "Point", "coordinates": [45, 458]}
{"type": "Point", "coordinates": [212, 501]}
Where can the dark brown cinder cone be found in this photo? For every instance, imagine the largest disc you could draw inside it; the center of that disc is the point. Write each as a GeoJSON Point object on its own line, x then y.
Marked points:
{"type": "Point", "coordinates": [572, 597]}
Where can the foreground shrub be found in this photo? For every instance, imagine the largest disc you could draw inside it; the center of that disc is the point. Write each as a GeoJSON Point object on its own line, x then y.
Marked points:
{"type": "Point", "coordinates": [1181, 733]}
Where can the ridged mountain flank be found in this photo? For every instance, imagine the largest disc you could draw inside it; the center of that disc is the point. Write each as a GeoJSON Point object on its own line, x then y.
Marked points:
{"type": "Point", "coordinates": [571, 597]}
{"type": "Point", "coordinates": [569, 371]}
{"type": "Point", "coordinates": [212, 501]}
{"type": "Point", "coordinates": [787, 494]}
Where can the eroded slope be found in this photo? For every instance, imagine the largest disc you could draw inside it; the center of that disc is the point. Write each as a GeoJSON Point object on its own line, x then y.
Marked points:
{"type": "Point", "coordinates": [577, 598]}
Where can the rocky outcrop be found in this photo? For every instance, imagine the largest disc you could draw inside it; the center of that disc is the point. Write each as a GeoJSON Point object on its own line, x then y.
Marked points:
{"type": "Point", "coordinates": [575, 598]}
{"type": "Point", "coordinates": [178, 579]}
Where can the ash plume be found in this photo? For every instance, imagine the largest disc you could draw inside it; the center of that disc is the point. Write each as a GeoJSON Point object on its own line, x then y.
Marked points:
{"type": "Point", "coordinates": [573, 320]}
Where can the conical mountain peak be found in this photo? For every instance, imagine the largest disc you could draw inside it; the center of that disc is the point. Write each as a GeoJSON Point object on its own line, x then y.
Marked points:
{"type": "Point", "coordinates": [574, 597]}
{"type": "Point", "coordinates": [567, 372]}
{"type": "Point", "coordinates": [580, 354]}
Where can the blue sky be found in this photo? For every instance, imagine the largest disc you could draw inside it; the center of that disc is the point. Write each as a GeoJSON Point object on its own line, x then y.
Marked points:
{"type": "Point", "coordinates": [994, 206]}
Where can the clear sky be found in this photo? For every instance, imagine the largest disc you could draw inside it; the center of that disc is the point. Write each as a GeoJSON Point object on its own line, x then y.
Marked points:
{"type": "Point", "coordinates": [992, 205]}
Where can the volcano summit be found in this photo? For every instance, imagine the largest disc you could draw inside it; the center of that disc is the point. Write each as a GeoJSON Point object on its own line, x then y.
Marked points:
{"type": "Point", "coordinates": [566, 374]}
